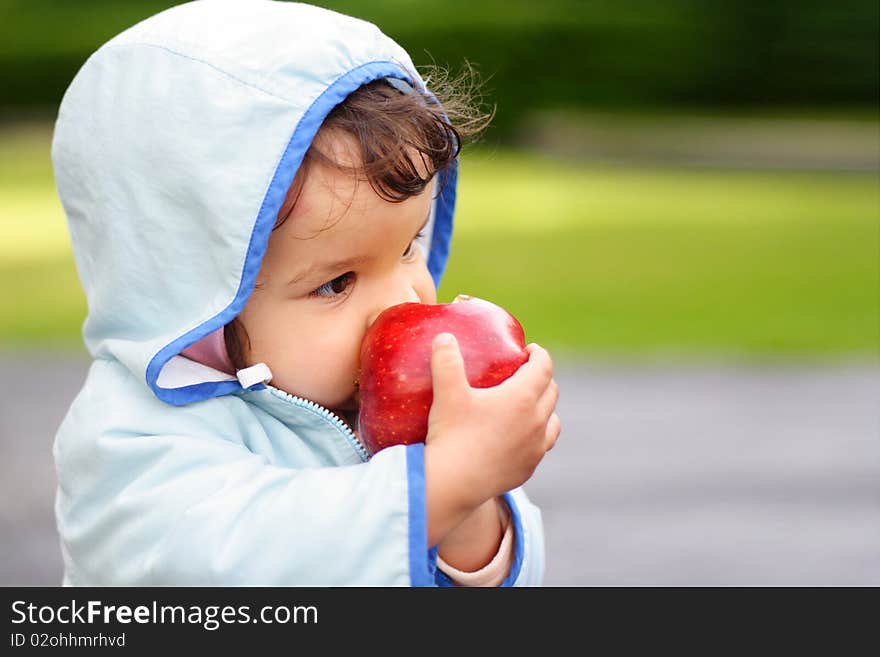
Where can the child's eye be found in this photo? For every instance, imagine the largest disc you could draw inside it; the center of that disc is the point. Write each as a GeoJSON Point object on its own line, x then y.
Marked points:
{"type": "Point", "coordinates": [336, 287]}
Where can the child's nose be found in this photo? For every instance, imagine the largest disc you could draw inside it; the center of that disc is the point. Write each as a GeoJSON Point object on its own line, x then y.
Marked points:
{"type": "Point", "coordinates": [406, 294]}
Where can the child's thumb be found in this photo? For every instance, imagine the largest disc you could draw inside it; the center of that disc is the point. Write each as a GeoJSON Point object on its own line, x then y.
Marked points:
{"type": "Point", "coordinates": [447, 367]}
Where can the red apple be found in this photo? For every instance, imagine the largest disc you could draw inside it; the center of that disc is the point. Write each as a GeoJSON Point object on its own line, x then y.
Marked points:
{"type": "Point", "coordinates": [395, 377]}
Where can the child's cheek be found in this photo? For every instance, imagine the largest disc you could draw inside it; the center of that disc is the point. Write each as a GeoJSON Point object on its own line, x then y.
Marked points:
{"type": "Point", "coordinates": [425, 288]}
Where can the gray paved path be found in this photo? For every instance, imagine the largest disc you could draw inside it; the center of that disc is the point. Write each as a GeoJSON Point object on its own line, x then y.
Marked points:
{"type": "Point", "coordinates": [664, 475]}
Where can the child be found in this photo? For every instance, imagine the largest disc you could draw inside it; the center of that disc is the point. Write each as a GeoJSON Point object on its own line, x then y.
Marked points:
{"type": "Point", "coordinates": [248, 185]}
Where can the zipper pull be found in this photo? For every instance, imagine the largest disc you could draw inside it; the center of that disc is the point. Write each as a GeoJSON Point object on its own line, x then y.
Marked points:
{"type": "Point", "coordinates": [250, 376]}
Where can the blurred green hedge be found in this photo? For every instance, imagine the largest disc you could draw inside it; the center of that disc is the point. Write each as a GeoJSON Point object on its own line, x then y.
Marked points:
{"type": "Point", "coordinates": [554, 54]}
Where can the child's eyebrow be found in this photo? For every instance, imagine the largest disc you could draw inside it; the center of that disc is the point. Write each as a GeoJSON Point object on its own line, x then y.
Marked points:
{"type": "Point", "coordinates": [319, 271]}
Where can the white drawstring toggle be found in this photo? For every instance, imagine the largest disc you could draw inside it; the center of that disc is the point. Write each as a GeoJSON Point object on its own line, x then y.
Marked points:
{"type": "Point", "coordinates": [249, 376]}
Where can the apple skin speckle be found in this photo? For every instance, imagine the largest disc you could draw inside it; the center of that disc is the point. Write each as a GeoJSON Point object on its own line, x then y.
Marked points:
{"type": "Point", "coordinates": [395, 375]}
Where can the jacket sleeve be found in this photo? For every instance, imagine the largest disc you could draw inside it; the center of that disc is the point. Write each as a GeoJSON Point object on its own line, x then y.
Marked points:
{"type": "Point", "coordinates": [192, 508]}
{"type": "Point", "coordinates": [141, 504]}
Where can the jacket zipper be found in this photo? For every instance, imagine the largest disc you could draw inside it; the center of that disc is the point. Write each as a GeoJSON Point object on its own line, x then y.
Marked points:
{"type": "Point", "coordinates": [328, 415]}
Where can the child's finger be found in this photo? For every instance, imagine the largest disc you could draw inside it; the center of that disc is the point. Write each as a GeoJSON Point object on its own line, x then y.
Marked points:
{"type": "Point", "coordinates": [447, 367]}
{"type": "Point", "coordinates": [538, 369]}
{"type": "Point", "coordinates": [547, 402]}
{"type": "Point", "coordinates": [533, 376]}
{"type": "Point", "coordinates": [554, 428]}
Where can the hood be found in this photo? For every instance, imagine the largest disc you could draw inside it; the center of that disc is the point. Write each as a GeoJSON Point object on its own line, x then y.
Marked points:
{"type": "Point", "coordinates": [173, 150]}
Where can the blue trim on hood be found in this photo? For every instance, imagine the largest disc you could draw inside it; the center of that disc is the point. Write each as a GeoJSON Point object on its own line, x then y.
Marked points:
{"type": "Point", "coordinates": [299, 143]}
{"type": "Point", "coordinates": [442, 234]}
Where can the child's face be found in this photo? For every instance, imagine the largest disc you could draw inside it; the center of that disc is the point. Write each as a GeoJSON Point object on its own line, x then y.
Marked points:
{"type": "Point", "coordinates": [342, 256]}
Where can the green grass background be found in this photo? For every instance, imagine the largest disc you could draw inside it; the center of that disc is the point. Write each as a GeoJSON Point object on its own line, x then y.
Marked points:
{"type": "Point", "coordinates": [624, 262]}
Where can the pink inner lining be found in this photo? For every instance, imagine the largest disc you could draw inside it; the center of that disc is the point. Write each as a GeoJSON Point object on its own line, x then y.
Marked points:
{"type": "Point", "coordinates": [211, 351]}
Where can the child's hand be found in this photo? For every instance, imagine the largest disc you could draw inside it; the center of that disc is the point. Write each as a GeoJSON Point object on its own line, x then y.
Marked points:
{"type": "Point", "coordinates": [483, 442]}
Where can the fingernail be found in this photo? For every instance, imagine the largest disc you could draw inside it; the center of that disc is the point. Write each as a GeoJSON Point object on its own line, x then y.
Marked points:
{"type": "Point", "coordinates": [443, 340]}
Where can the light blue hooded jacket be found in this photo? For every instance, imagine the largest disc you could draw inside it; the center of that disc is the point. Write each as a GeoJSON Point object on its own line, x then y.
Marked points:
{"type": "Point", "coordinates": [174, 148]}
